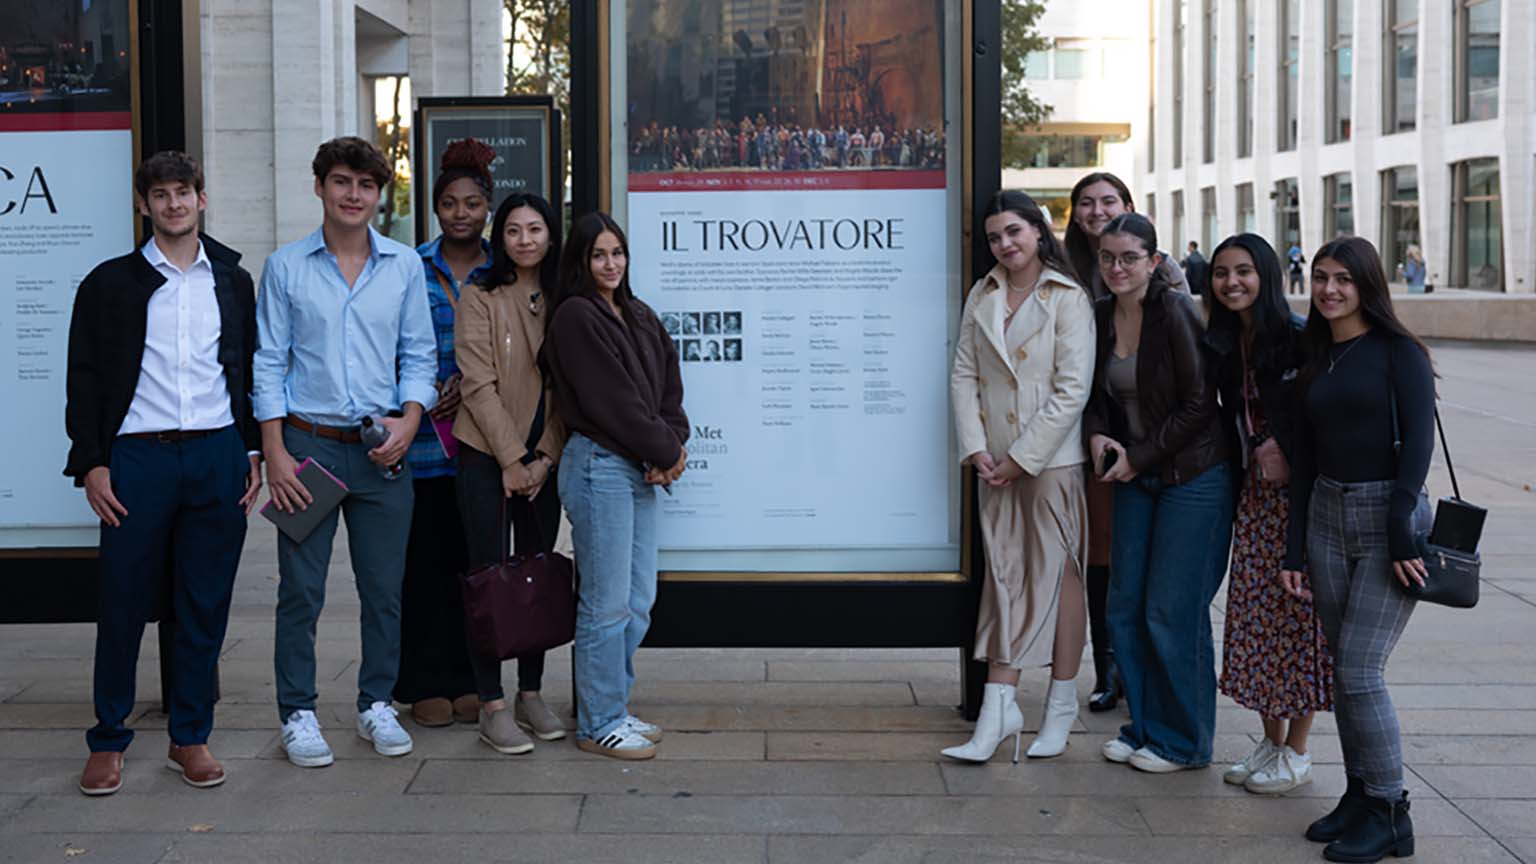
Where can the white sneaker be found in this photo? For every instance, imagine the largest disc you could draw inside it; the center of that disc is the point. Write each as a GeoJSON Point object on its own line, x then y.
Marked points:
{"type": "Point", "coordinates": [378, 724]}
{"type": "Point", "coordinates": [1116, 750]}
{"type": "Point", "coordinates": [1146, 760]}
{"type": "Point", "coordinates": [1285, 771]}
{"type": "Point", "coordinates": [1262, 753]}
{"type": "Point", "coordinates": [649, 731]}
{"type": "Point", "coordinates": [303, 742]}
{"type": "Point", "coordinates": [622, 743]}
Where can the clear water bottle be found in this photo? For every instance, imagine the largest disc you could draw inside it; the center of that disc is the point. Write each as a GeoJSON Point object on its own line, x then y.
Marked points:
{"type": "Point", "coordinates": [374, 434]}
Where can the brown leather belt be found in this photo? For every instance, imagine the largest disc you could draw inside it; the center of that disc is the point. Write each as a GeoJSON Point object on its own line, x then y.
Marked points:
{"type": "Point", "coordinates": [336, 433]}
{"type": "Point", "coordinates": [171, 436]}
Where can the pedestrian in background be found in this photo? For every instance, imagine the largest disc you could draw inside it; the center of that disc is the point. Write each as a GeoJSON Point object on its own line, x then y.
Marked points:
{"type": "Point", "coordinates": [1023, 365]}
{"type": "Point", "coordinates": [1356, 502]}
{"type": "Point", "coordinates": [509, 440]}
{"type": "Point", "coordinates": [1154, 432]}
{"type": "Point", "coordinates": [1274, 658]}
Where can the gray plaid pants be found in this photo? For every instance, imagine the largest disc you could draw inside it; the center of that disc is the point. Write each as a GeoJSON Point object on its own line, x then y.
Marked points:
{"type": "Point", "coordinates": [1363, 614]}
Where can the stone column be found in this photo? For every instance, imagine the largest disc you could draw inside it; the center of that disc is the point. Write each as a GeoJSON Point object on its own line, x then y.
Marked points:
{"type": "Point", "coordinates": [304, 107]}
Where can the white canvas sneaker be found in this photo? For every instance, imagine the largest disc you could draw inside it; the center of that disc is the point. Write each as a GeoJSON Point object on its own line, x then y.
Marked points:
{"type": "Point", "coordinates": [378, 725]}
{"type": "Point", "coordinates": [303, 742]}
{"type": "Point", "coordinates": [622, 743]}
{"type": "Point", "coordinates": [1262, 753]}
{"type": "Point", "coordinates": [649, 731]}
{"type": "Point", "coordinates": [1286, 771]}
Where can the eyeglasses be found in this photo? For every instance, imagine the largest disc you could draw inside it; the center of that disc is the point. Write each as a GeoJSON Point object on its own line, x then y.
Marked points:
{"type": "Point", "coordinates": [1126, 260]}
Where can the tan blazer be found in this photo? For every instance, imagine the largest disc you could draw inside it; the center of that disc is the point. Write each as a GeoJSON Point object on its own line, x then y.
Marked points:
{"type": "Point", "coordinates": [1028, 403]}
{"type": "Point", "coordinates": [496, 340]}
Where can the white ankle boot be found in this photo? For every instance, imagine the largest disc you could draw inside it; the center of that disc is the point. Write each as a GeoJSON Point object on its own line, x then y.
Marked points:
{"type": "Point", "coordinates": [1060, 713]}
{"type": "Point", "coordinates": [1000, 717]}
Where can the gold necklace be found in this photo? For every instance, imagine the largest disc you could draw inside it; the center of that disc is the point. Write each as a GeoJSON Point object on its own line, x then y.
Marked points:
{"type": "Point", "coordinates": [1334, 361]}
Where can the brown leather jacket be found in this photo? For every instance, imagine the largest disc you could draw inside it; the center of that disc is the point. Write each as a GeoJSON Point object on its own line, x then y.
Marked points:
{"type": "Point", "coordinates": [1174, 394]}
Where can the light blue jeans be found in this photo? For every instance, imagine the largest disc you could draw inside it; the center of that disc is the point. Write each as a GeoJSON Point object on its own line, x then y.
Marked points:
{"type": "Point", "coordinates": [613, 526]}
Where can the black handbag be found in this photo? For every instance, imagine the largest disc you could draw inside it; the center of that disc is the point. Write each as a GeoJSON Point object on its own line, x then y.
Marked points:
{"type": "Point", "coordinates": [1449, 549]}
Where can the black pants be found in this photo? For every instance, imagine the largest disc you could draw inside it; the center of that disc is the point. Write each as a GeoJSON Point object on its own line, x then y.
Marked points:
{"type": "Point", "coordinates": [434, 662]}
{"type": "Point", "coordinates": [534, 525]}
{"type": "Point", "coordinates": [183, 507]}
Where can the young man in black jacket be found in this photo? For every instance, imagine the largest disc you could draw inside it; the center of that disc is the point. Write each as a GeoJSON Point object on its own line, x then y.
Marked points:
{"type": "Point", "coordinates": [163, 439]}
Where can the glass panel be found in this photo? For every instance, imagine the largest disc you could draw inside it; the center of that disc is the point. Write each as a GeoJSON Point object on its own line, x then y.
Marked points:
{"type": "Point", "coordinates": [1485, 246]}
{"type": "Point", "coordinates": [1406, 84]}
{"type": "Point", "coordinates": [1247, 220]}
{"type": "Point", "coordinates": [1483, 61]}
{"type": "Point", "coordinates": [1287, 217]}
{"type": "Point", "coordinates": [1343, 205]}
{"type": "Point", "coordinates": [1405, 185]}
{"type": "Point", "coordinates": [1343, 18]}
{"type": "Point", "coordinates": [1405, 10]}
{"type": "Point", "coordinates": [1482, 178]}
{"type": "Point", "coordinates": [1072, 63]}
{"type": "Point", "coordinates": [1344, 66]}
{"type": "Point", "coordinates": [1288, 116]}
{"type": "Point", "coordinates": [1037, 65]}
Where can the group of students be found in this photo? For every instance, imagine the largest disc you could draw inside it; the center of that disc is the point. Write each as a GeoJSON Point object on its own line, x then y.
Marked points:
{"type": "Point", "coordinates": [520, 352]}
{"type": "Point", "coordinates": [1130, 454]}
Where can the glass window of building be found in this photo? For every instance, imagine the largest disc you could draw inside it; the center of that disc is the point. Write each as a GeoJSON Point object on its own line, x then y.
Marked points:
{"type": "Point", "coordinates": [1057, 204]}
{"type": "Point", "coordinates": [1341, 67]}
{"type": "Point", "coordinates": [1290, 71]}
{"type": "Point", "coordinates": [1400, 214]}
{"type": "Point", "coordinates": [1400, 78]}
{"type": "Point", "coordinates": [1037, 65]}
{"type": "Point", "coordinates": [1339, 218]}
{"type": "Point", "coordinates": [1152, 207]}
{"type": "Point", "coordinates": [1174, 238]}
{"type": "Point", "coordinates": [1066, 151]}
{"type": "Point", "coordinates": [1208, 82]}
{"type": "Point", "coordinates": [1207, 219]}
{"type": "Point", "coordinates": [1246, 55]}
{"type": "Point", "coordinates": [1247, 218]}
{"type": "Point", "coordinates": [1287, 213]}
{"type": "Point", "coordinates": [1477, 59]}
{"type": "Point", "coordinates": [1181, 17]}
{"type": "Point", "coordinates": [1477, 226]}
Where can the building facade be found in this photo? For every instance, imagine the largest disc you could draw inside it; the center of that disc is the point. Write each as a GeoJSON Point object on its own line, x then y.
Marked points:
{"type": "Point", "coordinates": [1407, 122]}
{"type": "Point", "coordinates": [1098, 122]}
{"type": "Point", "coordinates": [269, 80]}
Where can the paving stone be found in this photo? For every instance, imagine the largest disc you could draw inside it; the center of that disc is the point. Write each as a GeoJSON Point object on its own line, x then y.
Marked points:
{"type": "Point", "coordinates": [1047, 779]}
{"type": "Point", "coordinates": [925, 747]}
{"type": "Point", "coordinates": [306, 813]}
{"type": "Point", "coordinates": [809, 814]}
{"type": "Point", "coordinates": [70, 744]}
{"type": "Point", "coordinates": [75, 715]}
{"type": "Point", "coordinates": [808, 718]}
{"type": "Point", "coordinates": [247, 778]}
{"type": "Point", "coordinates": [1502, 818]}
{"type": "Point", "coordinates": [598, 776]}
{"type": "Point", "coordinates": [1252, 815]}
{"type": "Point", "coordinates": [1037, 849]}
{"type": "Point", "coordinates": [852, 670]}
{"type": "Point", "coordinates": [773, 694]}
{"type": "Point", "coordinates": [1467, 749]}
{"type": "Point", "coordinates": [1435, 721]}
{"type": "Point", "coordinates": [1483, 781]}
{"type": "Point", "coordinates": [461, 742]}
{"type": "Point", "coordinates": [1470, 697]}
{"type": "Point", "coordinates": [526, 848]}
{"type": "Point", "coordinates": [85, 847]}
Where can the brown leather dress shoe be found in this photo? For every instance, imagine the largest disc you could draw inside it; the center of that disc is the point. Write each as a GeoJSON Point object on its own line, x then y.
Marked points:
{"type": "Point", "coordinates": [103, 773]}
{"type": "Point", "coordinates": [196, 765]}
{"type": "Point", "coordinates": [432, 712]}
{"type": "Point", "coordinates": [466, 708]}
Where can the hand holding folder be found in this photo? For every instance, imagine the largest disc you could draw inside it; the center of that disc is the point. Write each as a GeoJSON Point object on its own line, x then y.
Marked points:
{"type": "Point", "coordinates": [327, 492]}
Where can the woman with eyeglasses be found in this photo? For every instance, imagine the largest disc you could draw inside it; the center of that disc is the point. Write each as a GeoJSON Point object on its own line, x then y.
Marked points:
{"type": "Point", "coordinates": [1096, 199]}
{"type": "Point", "coordinates": [1154, 432]}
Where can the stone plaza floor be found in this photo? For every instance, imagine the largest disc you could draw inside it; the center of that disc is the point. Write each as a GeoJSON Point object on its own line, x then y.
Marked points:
{"type": "Point", "coordinates": [796, 756]}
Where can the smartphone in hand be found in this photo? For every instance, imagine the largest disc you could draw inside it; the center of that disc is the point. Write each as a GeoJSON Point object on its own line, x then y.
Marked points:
{"type": "Point", "coordinates": [1111, 456]}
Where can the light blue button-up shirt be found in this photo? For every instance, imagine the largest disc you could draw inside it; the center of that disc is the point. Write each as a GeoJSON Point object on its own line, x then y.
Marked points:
{"type": "Point", "coordinates": [333, 355]}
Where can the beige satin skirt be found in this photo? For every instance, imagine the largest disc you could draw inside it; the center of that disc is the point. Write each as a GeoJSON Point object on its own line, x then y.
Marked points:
{"type": "Point", "coordinates": [1034, 529]}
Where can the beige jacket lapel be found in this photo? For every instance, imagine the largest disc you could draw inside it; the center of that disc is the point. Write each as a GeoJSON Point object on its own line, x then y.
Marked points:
{"type": "Point", "coordinates": [991, 314]}
{"type": "Point", "coordinates": [532, 324]}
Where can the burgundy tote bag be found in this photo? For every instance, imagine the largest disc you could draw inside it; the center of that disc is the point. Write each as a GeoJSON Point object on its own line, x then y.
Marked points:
{"type": "Point", "coordinates": [521, 605]}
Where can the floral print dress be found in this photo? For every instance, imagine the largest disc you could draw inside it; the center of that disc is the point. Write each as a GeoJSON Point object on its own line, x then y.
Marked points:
{"type": "Point", "coordinates": [1275, 659]}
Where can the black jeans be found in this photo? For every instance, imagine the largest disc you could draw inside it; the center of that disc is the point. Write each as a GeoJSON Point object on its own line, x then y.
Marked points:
{"type": "Point", "coordinates": [433, 660]}
{"type": "Point", "coordinates": [534, 525]}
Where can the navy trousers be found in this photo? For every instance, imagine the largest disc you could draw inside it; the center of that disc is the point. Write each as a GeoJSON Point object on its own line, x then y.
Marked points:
{"type": "Point", "coordinates": [183, 502]}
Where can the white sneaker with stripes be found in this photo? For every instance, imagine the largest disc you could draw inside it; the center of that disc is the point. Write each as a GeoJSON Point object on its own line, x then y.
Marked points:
{"type": "Point", "coordinates": [622, 743]}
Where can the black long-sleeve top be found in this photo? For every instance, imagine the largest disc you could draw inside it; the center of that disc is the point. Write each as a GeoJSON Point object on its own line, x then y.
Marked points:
{"type": "Point", "coordinates": [1344, 431]}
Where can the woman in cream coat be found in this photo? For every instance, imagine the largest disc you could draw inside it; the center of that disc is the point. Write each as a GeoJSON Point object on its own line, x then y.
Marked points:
{"type": "Point", "coordinates": [1023, 369]}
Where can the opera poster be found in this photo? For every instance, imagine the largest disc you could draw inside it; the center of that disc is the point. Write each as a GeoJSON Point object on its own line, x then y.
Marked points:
{"type": "Point", "coordinates": [788, 203]}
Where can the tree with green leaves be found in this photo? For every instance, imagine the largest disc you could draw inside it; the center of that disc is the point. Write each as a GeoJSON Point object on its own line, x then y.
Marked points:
{"type": "Point", "coordinates": [1022, 112]}
{"type": "Point", "coordinates": [539, 56]}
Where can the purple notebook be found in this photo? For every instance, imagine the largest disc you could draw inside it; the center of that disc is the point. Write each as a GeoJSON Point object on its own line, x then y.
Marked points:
{"type": "Point", "coordinates": [327, 492]}
{"type": "Point", "coordinates": [444, 430]}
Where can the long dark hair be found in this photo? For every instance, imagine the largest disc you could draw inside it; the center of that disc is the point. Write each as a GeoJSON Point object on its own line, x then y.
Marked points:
{"type": "Point", "coordinates": [1079, 244]}
{"type": "Point", "coordinates": [1361, 260]}
{"type": "Point", "coordinates": [503, 271]}
{"type": "Point", "coordinates": [1049, 249]}
{"type": "Point", "coordinates": [1272, 334]}
{"type": "Point", "coordinates": [576, 267]}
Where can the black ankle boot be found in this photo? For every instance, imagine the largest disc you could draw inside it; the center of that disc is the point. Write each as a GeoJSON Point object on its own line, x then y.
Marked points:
{"type": "Point", "coordinates": [1332, 827]}
{"type": "Point", "coordinates": [1106, 684]}
{"type": "Point", "coordinates": [1382, 828]}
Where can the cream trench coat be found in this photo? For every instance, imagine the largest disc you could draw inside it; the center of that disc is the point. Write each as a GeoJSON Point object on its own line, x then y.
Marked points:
{"type": "Point", "coordinates": [1027, 403]}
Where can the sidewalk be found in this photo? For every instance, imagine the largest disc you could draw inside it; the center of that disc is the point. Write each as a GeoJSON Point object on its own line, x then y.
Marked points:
{"type": "Point", "coordinates": [796, 756]}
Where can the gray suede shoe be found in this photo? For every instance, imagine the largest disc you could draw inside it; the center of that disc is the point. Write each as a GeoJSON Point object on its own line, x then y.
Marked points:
{"type": "Point", "coordinates": [533, 715]}
{"type": "Point", "coordinates": [499, 732]}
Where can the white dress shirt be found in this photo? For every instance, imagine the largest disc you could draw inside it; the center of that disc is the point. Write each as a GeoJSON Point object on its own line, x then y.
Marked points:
{"type": "Point", "coordinates": [181, 384]}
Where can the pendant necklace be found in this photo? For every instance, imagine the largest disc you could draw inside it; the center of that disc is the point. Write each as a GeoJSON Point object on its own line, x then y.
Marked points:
{"type": "Point", "coordinates": [1334, 361]}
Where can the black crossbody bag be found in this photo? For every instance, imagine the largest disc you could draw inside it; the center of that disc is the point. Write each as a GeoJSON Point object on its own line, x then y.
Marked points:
{"type": "Point", "coordinates": [1449, 549]}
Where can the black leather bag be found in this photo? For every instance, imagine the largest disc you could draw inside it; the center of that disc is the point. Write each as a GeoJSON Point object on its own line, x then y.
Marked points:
{"type": "Point", "coordinates": [1452, 565]}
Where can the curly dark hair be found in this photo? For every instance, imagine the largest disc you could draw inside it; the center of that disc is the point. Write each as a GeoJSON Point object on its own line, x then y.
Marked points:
{"type": "Point", "coordinates": [350, 151]}
{"type": "Point", "coordinates": [467, 157]}
{"type": "Point", "coordinates": [167, 166]}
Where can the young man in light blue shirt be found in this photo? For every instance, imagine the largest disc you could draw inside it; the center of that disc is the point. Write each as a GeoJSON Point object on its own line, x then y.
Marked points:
{"type": "Point", "coordinates": [345, 333]}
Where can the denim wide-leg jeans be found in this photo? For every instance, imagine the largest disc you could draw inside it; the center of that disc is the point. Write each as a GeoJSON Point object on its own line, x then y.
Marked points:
{"type": "Point", "coordinates": [1171, 545]}
{"type": "Point", "coordinates": [613, 515]}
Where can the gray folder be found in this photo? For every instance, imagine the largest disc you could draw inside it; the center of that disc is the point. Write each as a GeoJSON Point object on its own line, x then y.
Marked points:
{"type": "Point", "coordinates": [323, 487]}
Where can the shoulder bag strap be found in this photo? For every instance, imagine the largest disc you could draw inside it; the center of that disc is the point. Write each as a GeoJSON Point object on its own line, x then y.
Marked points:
{"type": "Point", "coordinates": [453, 302]}
{"type": "Point", "coordinates": [1397, 434]}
